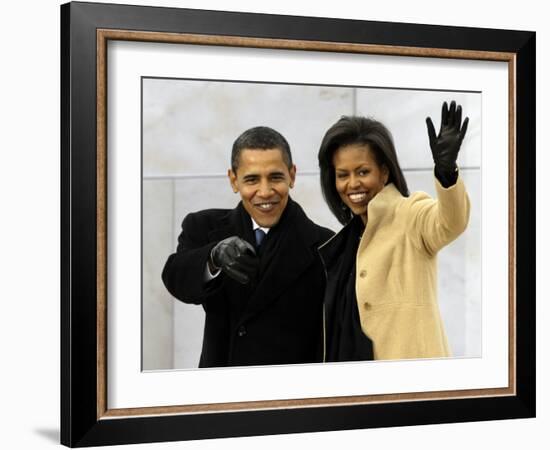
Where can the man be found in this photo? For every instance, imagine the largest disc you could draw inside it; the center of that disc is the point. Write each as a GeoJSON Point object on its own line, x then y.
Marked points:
{"type": "Point", "coordinates": [262, 296]}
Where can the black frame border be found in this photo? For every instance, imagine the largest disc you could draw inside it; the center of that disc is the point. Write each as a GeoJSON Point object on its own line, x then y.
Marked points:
{"type": "Point", "coordinates": [79, 423]}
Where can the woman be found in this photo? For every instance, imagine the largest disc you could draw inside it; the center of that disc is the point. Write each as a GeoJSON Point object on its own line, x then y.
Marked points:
{"type": "Point", "coordinates": [381, 295]}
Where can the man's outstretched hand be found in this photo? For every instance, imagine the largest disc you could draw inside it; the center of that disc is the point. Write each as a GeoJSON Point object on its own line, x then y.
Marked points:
{"type": "Point", "coordinates": [236, 257]}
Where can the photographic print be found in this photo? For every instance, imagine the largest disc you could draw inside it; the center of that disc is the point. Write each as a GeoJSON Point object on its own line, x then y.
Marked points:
{"type": "Point", "coordinates": [189, 127]}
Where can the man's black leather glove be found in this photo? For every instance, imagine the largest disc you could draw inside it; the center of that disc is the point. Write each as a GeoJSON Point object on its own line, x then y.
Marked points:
{"type": "Point", "coordinates": [446, 144]}
{"type": "Point", "coordinates": [236, 257]}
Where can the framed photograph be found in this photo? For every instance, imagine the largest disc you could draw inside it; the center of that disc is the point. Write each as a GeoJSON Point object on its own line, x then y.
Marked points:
{"type": "Point", "coordinates": [152, 101]}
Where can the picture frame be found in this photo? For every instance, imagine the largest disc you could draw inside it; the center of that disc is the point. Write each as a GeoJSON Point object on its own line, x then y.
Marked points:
{"type": "Point", "coordinates": [86, 418]}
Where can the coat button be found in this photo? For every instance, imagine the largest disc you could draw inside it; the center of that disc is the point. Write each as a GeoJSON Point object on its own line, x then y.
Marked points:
{"type": "Point", "coordinates": [241, 331]}
{"type": "Point", "coordinates": [363, 273]}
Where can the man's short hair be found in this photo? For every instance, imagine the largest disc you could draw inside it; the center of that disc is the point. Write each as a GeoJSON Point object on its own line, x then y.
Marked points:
{"type": "Point", "coordinates": [260, 138]}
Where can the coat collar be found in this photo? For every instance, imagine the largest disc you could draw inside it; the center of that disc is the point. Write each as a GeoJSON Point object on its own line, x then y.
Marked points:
{"type": "Point", "coordinates": [297, 237]}
{"type": "Point", "coordinates": [236, 222]}
{"type": "Point", "coordinates": [381, 209]}
{"type": "Point", "coordinates": [380, 212]}
{"type": "Point", "coordinates": [334, 247]}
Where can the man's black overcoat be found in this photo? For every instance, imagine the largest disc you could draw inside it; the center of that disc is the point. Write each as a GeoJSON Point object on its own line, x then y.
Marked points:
{"type": "Point", "coordinates": [276, 319]}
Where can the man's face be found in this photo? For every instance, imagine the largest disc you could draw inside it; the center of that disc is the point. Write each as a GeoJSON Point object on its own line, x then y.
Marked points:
{"type": "Point", "coordinates": [263, 180]}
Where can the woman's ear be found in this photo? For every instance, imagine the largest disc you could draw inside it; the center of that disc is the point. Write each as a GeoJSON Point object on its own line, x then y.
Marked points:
{"type": "Point", "coordinates": [385, 174]}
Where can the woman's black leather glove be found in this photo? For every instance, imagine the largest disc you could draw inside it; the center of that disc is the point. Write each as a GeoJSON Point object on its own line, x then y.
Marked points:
{"type": "Point", "coordinates": [446, 144]}
{"type": "Point", "coordinates": [236, 257]}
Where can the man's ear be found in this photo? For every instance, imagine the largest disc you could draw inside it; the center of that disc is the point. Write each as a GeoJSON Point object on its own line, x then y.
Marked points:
{"type": "Point", "coordinates": [292, 172]}
{"type": "Point", "coordinates": [233, 180]}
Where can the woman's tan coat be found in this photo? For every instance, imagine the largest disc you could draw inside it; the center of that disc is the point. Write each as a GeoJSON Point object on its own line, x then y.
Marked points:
{"type": "Point", "coordinates": [396, 283]}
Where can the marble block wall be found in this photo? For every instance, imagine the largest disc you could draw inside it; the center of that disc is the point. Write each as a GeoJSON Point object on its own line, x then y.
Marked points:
{"type": "Point", "coordinates": [157, 303]}
{"type": "Point", "coordinates": [188, 129]}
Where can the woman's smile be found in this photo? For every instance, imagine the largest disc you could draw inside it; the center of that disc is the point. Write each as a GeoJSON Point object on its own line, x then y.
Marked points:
{"type": "Point", "coordinates": [358, 197]}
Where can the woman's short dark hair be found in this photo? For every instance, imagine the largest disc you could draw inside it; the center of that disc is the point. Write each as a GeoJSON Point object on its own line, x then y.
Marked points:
{"type": "Point", "coordinates": [357, 130]}
{"type": "Point", "coordinates": [260, 138]}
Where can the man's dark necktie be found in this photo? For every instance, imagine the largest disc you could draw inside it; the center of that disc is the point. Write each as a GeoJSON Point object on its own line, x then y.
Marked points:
{"type": "Point", "coordinates": [260, 235]}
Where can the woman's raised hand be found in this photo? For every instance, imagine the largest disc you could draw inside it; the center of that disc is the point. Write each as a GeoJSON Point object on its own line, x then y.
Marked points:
{"type": "Point", "coordinates": [446, 144]}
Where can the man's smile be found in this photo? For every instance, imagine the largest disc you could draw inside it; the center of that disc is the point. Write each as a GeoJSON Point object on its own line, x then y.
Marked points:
{"type": "Point", "coordinates": [266, 206]}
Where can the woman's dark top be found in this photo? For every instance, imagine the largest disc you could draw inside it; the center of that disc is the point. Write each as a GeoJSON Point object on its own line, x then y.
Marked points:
{"type": "Point", "coordinates": [344, 338]}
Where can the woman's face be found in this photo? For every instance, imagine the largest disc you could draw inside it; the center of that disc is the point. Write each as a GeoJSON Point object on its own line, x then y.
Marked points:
{"type": "Point", "coordinates": [358, 177]}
